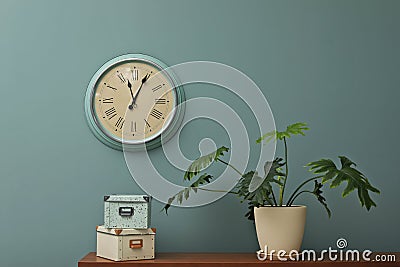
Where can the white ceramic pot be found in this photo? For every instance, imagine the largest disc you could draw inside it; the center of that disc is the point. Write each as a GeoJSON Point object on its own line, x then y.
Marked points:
{"type": "Point", "coordinates": [280, 228]}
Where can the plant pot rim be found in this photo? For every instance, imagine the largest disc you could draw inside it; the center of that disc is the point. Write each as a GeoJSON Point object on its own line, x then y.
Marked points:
{"type": "Point", "coordinates": [283, 206]}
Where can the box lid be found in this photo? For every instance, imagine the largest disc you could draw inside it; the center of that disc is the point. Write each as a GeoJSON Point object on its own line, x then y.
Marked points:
{"type": "Point", "coordinates": [127, 198]}
{"type": "Point", "coordinates": [102, 229]}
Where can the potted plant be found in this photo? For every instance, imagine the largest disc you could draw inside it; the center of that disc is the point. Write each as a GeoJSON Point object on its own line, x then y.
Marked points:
{"type": "Point", "coordinates": [279, 222]}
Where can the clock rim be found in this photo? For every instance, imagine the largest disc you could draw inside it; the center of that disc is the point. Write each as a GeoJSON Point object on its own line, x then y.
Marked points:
{"type": "Point", "coordinates": [151, 142]}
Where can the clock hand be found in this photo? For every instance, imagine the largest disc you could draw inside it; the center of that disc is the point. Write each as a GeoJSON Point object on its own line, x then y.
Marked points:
{"type": "Point", "coordinates": [145, 78]}
{"type": "Point", "coordinates": [130, 89]}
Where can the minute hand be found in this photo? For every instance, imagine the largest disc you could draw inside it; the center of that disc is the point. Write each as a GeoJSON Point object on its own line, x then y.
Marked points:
{"type": "Point", "coordinates": [145, 78]}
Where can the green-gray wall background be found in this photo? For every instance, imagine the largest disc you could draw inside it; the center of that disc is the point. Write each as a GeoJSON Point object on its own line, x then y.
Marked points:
{"type": "Point", "coordinates": [333, 64]}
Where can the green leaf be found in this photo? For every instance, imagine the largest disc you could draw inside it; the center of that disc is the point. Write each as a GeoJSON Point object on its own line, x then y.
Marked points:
{"type": "Point", "coordinates": [168, 205]}
{"type": "Point", "coordinates": [318, 193]}
{"type": "Point", "coordinates": [203, 179]}
{"type": "Point", "coordinates": [274, 170]}
{"type": "Point", "coordinates": [180, 196]}
{"type": "Point", "coordinates": [185, 193]}
{"type": "Point", "coordinates": [347, 173]}
{"type": "Point", "coordinates": [203, 162]}
{"type": "Point", "coordinates": [262, 195]}
{"type": "Point", "coordinates": [267, 137]}
{"type": "Point", "coordinates": [297, 129]}
{"type": "Point", "coordinates": [250, 214]}
{"type": "Point", "coordinates": [293, 129]}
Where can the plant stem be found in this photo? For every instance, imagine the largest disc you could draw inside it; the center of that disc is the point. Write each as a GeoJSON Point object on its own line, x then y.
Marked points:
{"type": "Point", "coordinates": [213, 190]}
{"type": "Point", "coordinates": [301, 185]}
{"type": "Point", "coordinates": [298, 194]}
{"type": "Point", "coordinates": [273, 197]}
{"type": "Point", "coordinates": [282, 190]}
{"type": "Point", "coordinates": [226, 163]}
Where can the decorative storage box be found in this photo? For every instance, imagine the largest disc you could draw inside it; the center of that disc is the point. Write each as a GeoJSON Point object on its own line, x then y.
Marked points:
{"type": "Point", "coordinates": [127, 211]}
{"type": "Point", "coordinates": [125, 244]}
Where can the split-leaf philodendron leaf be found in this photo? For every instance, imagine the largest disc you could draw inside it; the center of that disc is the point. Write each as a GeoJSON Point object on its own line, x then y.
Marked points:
{"type": "Point", "coordinates": [318, 194]}
{"type": "Point", "coordinates": [354, 178]}
{"type": "Point", "coordinates": [263, 194]}
{"type": "Point", "coordinates": [184, 193]}
{"type": "Point", "coordinates": [203, 162]}
{"type": "Point", "coordinates": [293, 129]}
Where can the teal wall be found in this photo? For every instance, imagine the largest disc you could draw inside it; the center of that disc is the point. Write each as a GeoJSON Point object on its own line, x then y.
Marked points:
{"type": "Point", "coordinates": [333, 64]}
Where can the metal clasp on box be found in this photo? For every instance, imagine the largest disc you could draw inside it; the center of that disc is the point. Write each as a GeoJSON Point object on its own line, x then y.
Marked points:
{"type": "Point", "coordinates": [125, 211]}
{"type": "Point", "coordinates": [136, 243]}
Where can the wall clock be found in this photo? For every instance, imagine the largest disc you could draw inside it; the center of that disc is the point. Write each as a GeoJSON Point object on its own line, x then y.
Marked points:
{"type": "Point", "coordinates": [132, 100]}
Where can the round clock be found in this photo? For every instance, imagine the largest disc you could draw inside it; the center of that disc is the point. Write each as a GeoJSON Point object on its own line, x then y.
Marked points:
{"type": "Point", "coordinates": [133, 100]}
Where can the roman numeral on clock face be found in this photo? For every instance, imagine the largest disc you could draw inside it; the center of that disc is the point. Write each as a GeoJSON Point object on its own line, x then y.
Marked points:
{"type": "Point", "coordinates": [110, 113]}
{"type": "Point", "coordinates": [109, 100]}
{"type": "Point", "coordinates": [157, 88]}
{"type": "Point", "coordinates": [147, 123]}
{"type": "Point", "coordinates": [120, 123]}
{"type": "Point", "coordinates": [109, 86]}
{"type": "Point", "coordinates": [160, 101]}
{"type": "Point", "coordinates": [156, 114]}
{"type": "Point", "coordinates": [133, 126]}
{"type": "Point", "coordinates": [121, 77]}
{"type": "Point", "coordinates": [135, 75]}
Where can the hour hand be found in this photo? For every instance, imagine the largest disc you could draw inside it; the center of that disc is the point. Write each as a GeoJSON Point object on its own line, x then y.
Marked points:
{"type": "Point", "coordinates": [133, 98]}
{"type": "Point", "coordinates": [130, 88]}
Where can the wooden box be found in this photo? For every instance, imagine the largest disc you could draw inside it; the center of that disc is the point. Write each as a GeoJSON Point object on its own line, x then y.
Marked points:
{"type": "Point", "coordinates": [125, 244]}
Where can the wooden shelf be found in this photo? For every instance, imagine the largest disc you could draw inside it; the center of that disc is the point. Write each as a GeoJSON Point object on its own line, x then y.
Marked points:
{"type": "Point", "coordinates": [221, 260]}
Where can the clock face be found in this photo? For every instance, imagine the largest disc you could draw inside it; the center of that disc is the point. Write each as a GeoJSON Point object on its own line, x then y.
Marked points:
{"type": "Point", "coordinates": [133, 102]}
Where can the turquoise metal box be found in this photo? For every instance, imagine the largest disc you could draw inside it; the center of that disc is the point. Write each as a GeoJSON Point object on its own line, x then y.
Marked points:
{"type": "Point", "coordinates": [127, 211]}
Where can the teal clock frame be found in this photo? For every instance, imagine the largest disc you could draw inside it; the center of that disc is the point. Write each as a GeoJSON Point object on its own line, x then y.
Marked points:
{"type": "Point", "coordinates": [110, 139]}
